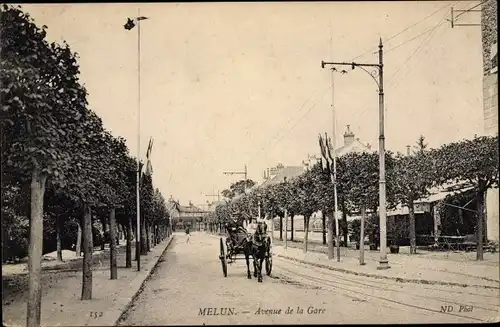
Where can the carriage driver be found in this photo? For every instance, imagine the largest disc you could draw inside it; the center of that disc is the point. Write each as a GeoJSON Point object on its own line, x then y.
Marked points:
{"type": "Point", "coordinates": [234, 224]}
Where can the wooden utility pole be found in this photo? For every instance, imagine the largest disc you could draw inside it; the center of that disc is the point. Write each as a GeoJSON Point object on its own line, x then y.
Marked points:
{"type": "Point", "coordinates": [238, 173]}
{"type": "Point", "coordinates": [215, 195]}
{"type": "Point", "coordinates": [383, 262]}
{"type": "Point", "coordinates": [245, 173]}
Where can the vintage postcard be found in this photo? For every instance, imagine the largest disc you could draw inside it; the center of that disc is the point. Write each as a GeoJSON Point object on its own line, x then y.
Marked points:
{"type": "Point", "coordinates": [202, 163]}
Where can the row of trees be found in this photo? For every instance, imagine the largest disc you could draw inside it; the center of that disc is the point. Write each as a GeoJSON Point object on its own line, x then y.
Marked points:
{"type": "Point", "coordinates": [469, 163]}
{"type": "Point", "coordinates": [60, 167]}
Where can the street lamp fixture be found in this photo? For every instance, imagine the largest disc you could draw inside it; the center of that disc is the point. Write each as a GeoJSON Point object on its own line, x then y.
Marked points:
{"type": "Point", "coordinates": [378, 72]}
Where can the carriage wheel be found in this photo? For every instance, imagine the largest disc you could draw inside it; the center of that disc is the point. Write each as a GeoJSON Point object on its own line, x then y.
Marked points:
{"type": "Point", "coordinates": [223, 258]}
{"type": "Point", "coordinates": [269, 262]}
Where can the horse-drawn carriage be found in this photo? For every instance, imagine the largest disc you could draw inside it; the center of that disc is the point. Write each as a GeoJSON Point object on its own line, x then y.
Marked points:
{"type": "Point", "coordinates": [240, 241]}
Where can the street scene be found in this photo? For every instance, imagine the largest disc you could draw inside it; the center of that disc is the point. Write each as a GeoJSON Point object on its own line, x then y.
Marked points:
{"type": "Point", "coordinates": [203, 297]}
{"type": "Point", "coordinates": [249, 163]}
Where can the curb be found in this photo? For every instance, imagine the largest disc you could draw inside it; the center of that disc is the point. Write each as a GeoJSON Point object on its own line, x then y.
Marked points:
{"type": "Point", "coordinates": [397, 279]}
{"type": "Point", "coordinates": [141, 287]}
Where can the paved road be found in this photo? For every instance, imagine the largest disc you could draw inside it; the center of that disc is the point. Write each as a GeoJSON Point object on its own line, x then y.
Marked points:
{"type": "Point", "coordinates": [190, 278]}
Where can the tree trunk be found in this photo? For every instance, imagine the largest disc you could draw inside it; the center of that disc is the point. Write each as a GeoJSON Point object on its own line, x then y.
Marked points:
{"type": "Point", "coordinates": [128, 248]}
{"type": "Point", "coordinates": [143, 238]}
{"type": "Point", "coordinates": [153, 236]}
{"type": "Point", "coordinates": [118, 232]}
{"type": "Point", "coordinates": [119, 229]}
{"type": "Point", "coordinates": [306, 232]}
{"type": "Point", "coordinates": [292, 216]}
{"type": "Point", "coordinates": [78, 248]}
{"type": "Point", "coordinates": [148, 237]}
{"type": "Point", "coordinates": [331, 224]}
{"type": "Point", "coordinates": [103, 234]}
{"type": "Point", "coordinates": [35, 249]}
{"type": "Point", "coordinates": [58, 238]}
{"type": "Point", "coordinates": [362, 236]}
{"type": "Point", "coordinates": [281, 228]}
{"type": "Point", "coordinates": [91, 234]}
{"type": "Point", "coordinates": [112, 244]}
{"type": "Point", "coordinates": [286, 229]}
{"type": "Point", "coordinates": [413, 240]}
{"type": "Point", "coordinates": [480, 218]}
{"type": "Point", "coordinates": [345, 229]}
{"type": "Point", "coordinates": [323, 226]}
{"type": "Point", "coordinates": [87, 253]}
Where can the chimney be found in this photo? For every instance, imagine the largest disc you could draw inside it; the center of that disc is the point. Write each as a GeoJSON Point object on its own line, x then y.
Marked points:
{"type": "Point", "coordinates": [348, 136]}
{"type": "Point", "coordinates": [408, 150]}
{"type": "Point", "coordinates": [268, 174]}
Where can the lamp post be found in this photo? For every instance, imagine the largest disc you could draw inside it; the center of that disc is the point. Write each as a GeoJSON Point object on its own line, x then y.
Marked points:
{"type": "Point", "coordinates": [383, 262]}
{"type": "Point", "coordinates": [131, 23]}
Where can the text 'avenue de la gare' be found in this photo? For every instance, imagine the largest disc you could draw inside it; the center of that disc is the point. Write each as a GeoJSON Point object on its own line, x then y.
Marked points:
{"type": "Point", "coordinates": [311, 310]}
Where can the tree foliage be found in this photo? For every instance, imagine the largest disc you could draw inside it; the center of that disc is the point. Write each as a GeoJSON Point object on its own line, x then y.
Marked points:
{"type": "Point", "coordinates": [52, 140]}
{"type": "Point", "coordinates": [238, 188]}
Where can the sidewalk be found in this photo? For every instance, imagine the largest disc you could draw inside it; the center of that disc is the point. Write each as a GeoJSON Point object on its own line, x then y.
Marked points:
{"type": "Point", "coordinates": [459, 269]}
{"type": "Point", "coordinates": [61, 291]}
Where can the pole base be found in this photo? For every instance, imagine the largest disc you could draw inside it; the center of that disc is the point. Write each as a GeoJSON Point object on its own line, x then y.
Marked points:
{"type": "Point", "coordinates": [383, 264]}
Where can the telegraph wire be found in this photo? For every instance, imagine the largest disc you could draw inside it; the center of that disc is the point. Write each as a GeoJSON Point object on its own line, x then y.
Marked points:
{"type": "Point", "coordinates": [407, 28]}
{"type": "Point", "coordinates": [291, 117]}
{"type": "Point", "coordinates": [391, 81]}
{"type": "Point", "coordinates": [414, 38]}
{"type": "Point", "coordinates": [428, 32]}
{"type": "Point", "coordinates": [282, 129]}
{"type": "Point", "coordinates": [467, 10]}
{"type": "Point", "coordinates": [406, 74]}
{"type": "Point", "coordinates": [428, 37]}
{"type": "Point", "coordinates": [263, 149]}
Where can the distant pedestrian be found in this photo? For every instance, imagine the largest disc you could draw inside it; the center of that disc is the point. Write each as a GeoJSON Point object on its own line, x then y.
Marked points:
{"type": "Point", "coordinates": [187, 234]}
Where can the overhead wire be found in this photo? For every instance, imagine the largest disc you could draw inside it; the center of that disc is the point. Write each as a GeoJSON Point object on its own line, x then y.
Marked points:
{"type": "Point", "coordinates": [391, 78]}
{"type": "Point", "coordinates": [290, 129]}
{"type": "Point", "coordinates": [429, 34]}
{"type": "Point", "coordinates": [414, 38]}
{"type": "Point", "coordinates": [467, 10]}
{"type": "Point", "coordinates": [409, 70]}
{"type": "Point", "coordinates": [284, 126]}
{"type": "Point", "coordinates": [407, 28]}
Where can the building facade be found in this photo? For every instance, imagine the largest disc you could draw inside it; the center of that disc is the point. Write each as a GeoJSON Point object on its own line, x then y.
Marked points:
{"type": "Point", "coordinates": [489, 30]}
{"type": "Point", "coordinates": [186, 216]}
{"type": "Point", "coordinates": [352, 144]}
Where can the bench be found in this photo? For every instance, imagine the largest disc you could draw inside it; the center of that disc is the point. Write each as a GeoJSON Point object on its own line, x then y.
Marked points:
{"type": "Point", "coordinates": [470, 244]}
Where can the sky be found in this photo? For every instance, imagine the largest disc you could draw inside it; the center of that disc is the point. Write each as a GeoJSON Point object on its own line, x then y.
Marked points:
{"type": "Point", "coordinates": [224, 85]}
